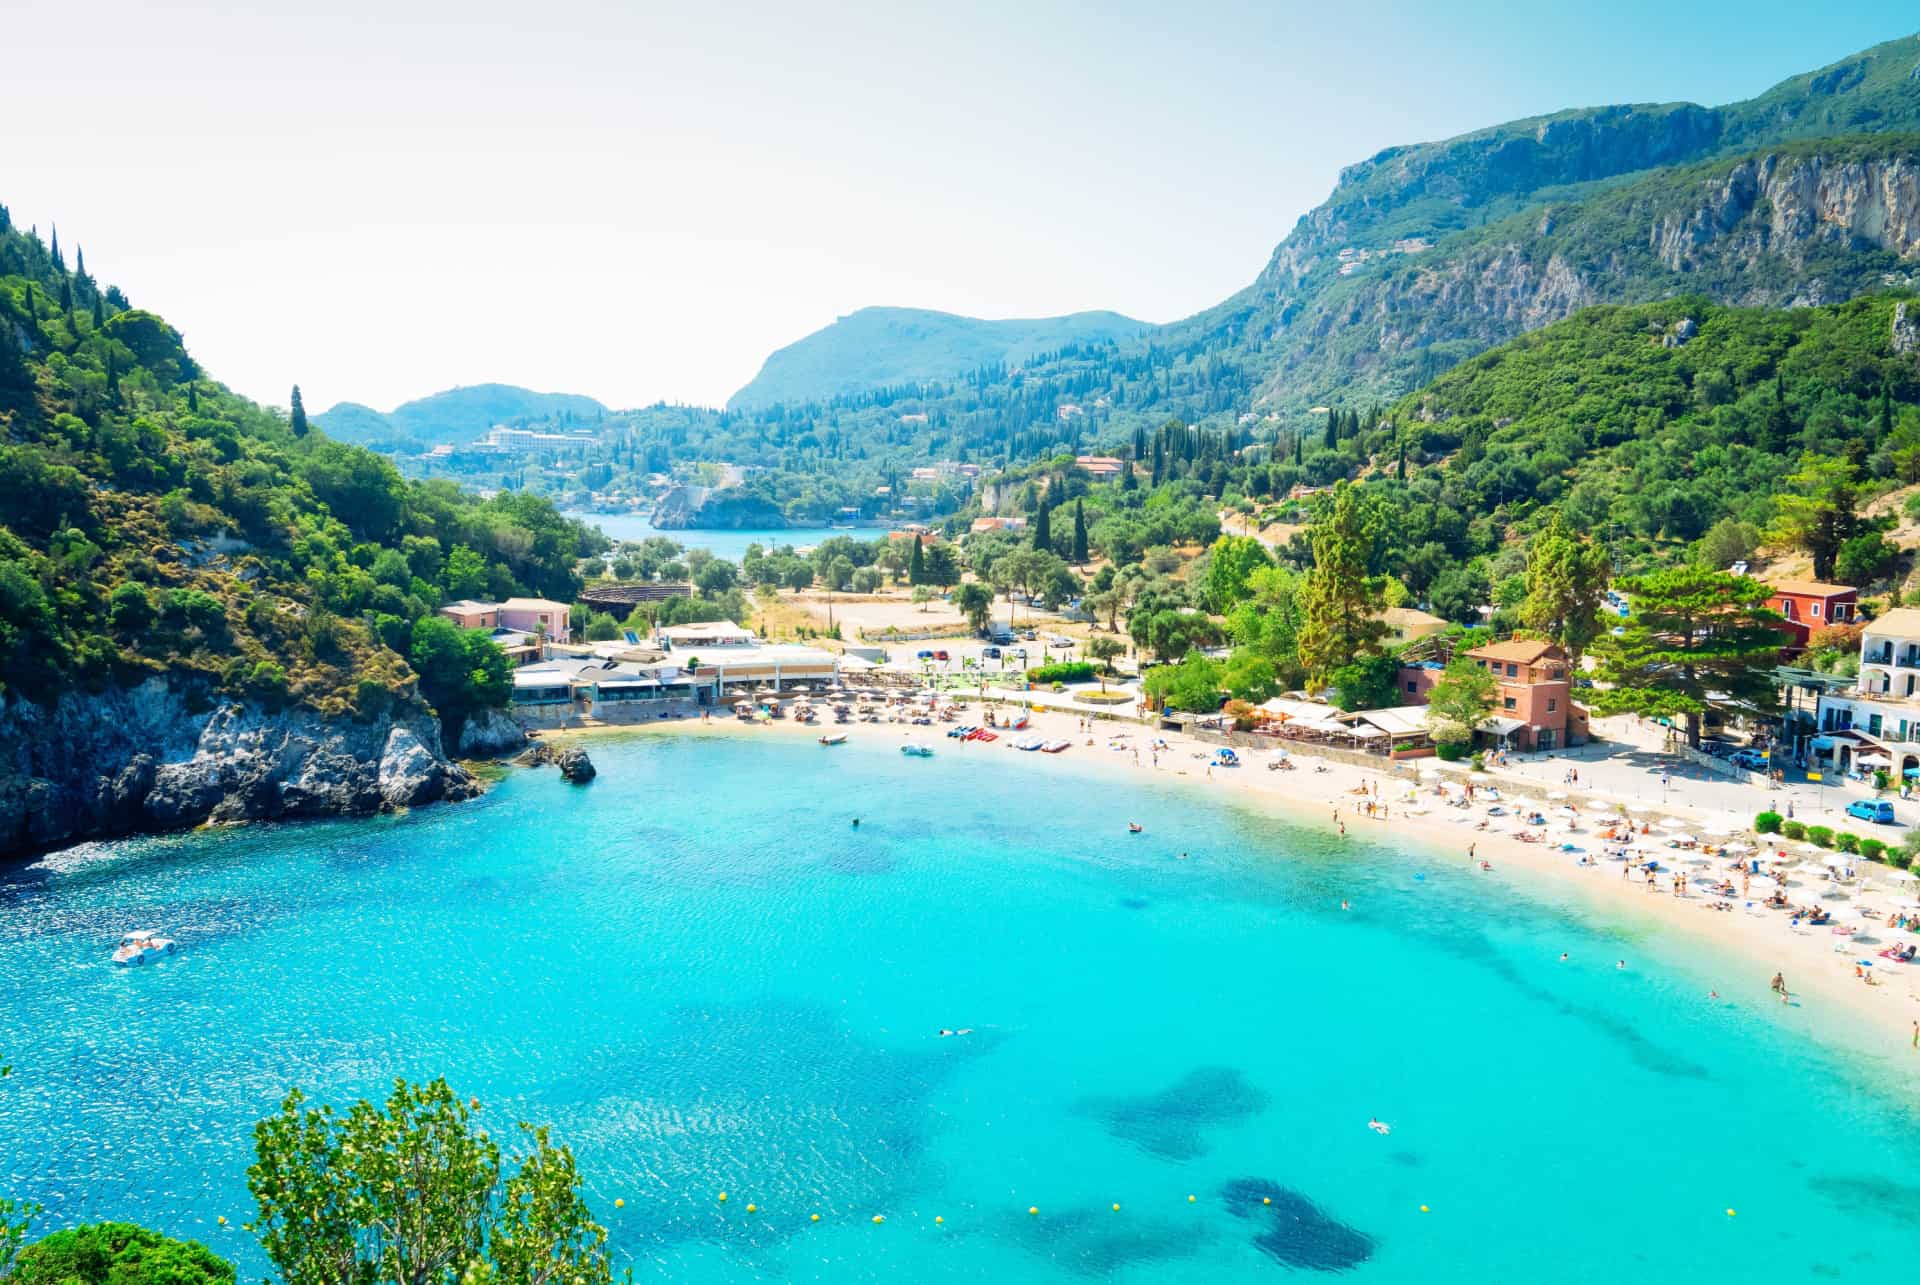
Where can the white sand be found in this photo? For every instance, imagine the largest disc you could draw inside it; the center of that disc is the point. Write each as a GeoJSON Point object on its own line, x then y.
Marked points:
{"type": "Point", "coordinates": [1831, 1002]}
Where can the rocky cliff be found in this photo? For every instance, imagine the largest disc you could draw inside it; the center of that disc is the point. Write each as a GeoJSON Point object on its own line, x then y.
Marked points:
{"type": "Point", "coordinates": [1807, 224]}
{"type": "Point", "coordinates": [160, 756]}
{"type": "Point", "coordinates": [702, 508]}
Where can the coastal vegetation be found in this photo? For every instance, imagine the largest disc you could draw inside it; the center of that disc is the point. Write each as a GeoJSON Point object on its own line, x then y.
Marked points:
{"type": "Point", "coordinates": [154, 523]}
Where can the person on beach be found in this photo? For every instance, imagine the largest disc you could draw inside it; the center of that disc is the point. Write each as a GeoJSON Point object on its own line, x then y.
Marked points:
{"type": "Point", "coordinates": [1343, 829]}
{"type": "Point", "coordinates": [1779, 985]}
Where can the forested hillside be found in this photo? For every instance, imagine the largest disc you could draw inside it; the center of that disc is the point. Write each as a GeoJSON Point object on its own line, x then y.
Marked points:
{"type": "Point", "coordinates": [153, 522]}
{"type": "Point", "coordinates": [878, 348]}
{"type": "Point", "coordinates": [458, 415]}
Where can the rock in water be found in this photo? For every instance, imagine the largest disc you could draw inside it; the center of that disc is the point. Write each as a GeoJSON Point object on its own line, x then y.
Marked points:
{"type": "Point", "coordinates": [575, 765]}
{"type": "Point", "coordinates": [570, 759]}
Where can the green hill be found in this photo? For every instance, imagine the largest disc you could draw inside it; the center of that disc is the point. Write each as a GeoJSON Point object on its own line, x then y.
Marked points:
{"type": "Point", "coordinates": [456, 415]}
{"type": "Point", "coordinates": [153, 523]}
{"type": "Point", "coordinates": [880, 347]}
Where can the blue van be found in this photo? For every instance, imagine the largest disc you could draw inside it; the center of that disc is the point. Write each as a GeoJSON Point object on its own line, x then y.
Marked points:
{"type": "Point", "coordinates": [1876, 810]}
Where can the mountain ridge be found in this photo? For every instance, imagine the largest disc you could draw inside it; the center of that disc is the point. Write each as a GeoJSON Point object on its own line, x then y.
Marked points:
{"type": "Point", "coordinates": [897, 345]}
{"type": "Point", "coordinates": [454, 415]}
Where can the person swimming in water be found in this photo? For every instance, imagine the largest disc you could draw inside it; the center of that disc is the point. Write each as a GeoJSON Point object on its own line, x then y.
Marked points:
{"type": "Point", "coordinates": [965, 1030]}
{"type": "Point", "coordinates": [1380, 1127]}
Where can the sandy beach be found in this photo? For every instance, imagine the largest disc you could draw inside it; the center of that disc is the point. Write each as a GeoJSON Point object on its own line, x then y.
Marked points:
{"type": "Point", "coordinates": [1740, 951]}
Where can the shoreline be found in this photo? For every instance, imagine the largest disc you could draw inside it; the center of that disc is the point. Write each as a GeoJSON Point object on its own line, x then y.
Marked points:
{"type": "Point", "coordinates": [1830, 1004]}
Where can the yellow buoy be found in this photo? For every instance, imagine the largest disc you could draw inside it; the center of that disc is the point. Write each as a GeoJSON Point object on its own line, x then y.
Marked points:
{"type": "Point", "coordinates": [753, 1209]}
{"type": "Point", "coordinates": [1116, 1207]}
{"type": "Point", "coordinates": [816, 1218]}
{"type": "Point", "coordinates": [723, 1197]}
{"type": "Point", "coordinates": [879, 1218]}
{"type": "Point", "coordinates": [1423, 1209]}
{"type": "Point", "coordinates": [1266, 1200]}
{"type": "Point", "coordinates": [937, 1218]}
{"type": "Point", "coordinates": [223, 1218]}
{"type": "Point", "coordinates": [1189, 1200]}
{"type": "Point", "coordinates": [619, 1202]}
{"type": "Point", "coordinates": [1730, 1213]}
{"type": "Point", "coordinates": [1033, 1209]}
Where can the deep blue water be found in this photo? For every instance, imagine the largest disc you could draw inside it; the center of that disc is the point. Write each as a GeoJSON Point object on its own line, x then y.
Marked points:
{"type": "Point", "coordinates": [706, 979]}
{"type": "Point", "coordinates": [731, 545]}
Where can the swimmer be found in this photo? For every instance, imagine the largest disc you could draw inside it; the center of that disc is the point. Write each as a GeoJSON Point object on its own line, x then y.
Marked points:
{"type": "Point", "coordinates": [1344, 905]}
{"type": "Point", "coordinates": [1563, 956]}
{"type": "Point", "coordinates": [1380, 1127]}
{"type": "Point", "coordinates": [856, 823]}
{"type": "Point", "coordinates": [1181, 857]}
{"type": "Point", "coordinates": [965, 1030]}
{"type": "Point", "coordinates": [1133, 827]}
{"type": "Point", "coordinates": [1620, 963]}
{"type": "Point", "coordinates": [1713, 994]}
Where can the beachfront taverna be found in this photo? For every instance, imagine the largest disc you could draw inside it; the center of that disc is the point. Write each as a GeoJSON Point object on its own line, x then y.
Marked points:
{"type": "Point", "coordinates": [681, 669]}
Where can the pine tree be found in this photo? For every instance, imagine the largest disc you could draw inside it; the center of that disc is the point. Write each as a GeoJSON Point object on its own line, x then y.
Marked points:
{"type": "Point", "coordinates": [1080, 531]}
{"type": "Point", "coordinates": [1339, 600]}
{"type": "Point", "coordinates": [297, 415]}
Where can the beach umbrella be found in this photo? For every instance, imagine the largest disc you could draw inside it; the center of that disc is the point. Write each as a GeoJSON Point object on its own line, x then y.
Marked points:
{"type": "Point", "coordinates": [1905, 903]}
{"type": "Point", "coordinates": [1557, 794]}
{"type": "Point", "coordinates": [1569, 811]}
{"type": "Point", "coordinates": [1904, 876]}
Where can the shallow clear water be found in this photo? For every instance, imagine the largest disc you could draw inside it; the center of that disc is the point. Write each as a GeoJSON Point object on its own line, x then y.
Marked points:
{"type": "Point", "coordinates": [731, 545]}
{"type": "Point", "coordinates": [707, 980]}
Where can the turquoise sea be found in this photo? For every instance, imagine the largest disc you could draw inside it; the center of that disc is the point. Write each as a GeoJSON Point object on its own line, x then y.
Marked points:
{"type": "Point", "coordinates": [705, 978]}
{"type": "Point", "coordinates": [731, 545]}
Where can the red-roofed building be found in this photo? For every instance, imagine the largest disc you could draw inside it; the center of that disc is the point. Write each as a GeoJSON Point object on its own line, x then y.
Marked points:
{"type": "Point", "coordinates": [1812, 605]}
{"type": "Point", "coordinates": [1100, 466]}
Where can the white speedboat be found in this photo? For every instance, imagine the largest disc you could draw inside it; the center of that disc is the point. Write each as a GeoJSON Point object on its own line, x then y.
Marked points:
{"type": "Point", "coordinates": [140, 947]}
{"type": "Point", "coordinates": [834, 738]}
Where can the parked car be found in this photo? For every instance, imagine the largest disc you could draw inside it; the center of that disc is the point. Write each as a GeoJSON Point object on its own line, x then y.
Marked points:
{"type": "Point", "coordinates": [923, 655]}
{"type": "Point", "coordinates": [942, 657]}
{"type": "Point", "coordinates": [1879, 811]}
{"type": "Point", "coordinates": [1753, 760]}
{"type": "Point", "coordinates": [990, 653]}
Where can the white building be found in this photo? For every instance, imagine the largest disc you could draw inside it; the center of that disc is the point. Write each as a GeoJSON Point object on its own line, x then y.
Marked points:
{"type": "Point", "coordinates": [1877, 724]}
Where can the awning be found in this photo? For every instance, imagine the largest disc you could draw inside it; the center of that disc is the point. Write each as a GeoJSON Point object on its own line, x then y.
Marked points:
{"type": "Point", "coordinates": [1503, 726]}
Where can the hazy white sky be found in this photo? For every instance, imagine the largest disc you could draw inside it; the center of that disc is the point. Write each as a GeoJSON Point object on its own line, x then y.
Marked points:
{"type": "Point", "coordinates": [378, 200]}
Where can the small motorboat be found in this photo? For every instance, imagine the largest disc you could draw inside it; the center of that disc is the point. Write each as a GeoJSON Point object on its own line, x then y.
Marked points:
{"type": "Point", "coordinates": [1028, 743]}
{"type": "Point", "coordinates": [917, 751]}
{"type": "Point", "coordinates": [1054, 747]}
{"type": "Point", "coordinates": [1134, 827]}
{"type": "Point", "coordinates": [139, 947]}
{"type": "Point", "coordinates": [834, 738]}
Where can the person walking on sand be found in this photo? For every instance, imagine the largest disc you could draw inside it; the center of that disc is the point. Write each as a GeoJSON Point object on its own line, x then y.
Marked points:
{"type": "Point", "coordinates": [1779, 985]}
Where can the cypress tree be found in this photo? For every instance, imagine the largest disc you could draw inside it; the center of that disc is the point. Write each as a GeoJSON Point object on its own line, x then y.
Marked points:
{"type": "Point", "coordinates": [79, 262]}
{"type": "Point", "coordinates": [1403, 459]}
{"type": "Point", "coordinates": [1886, 411]}
{"type": "Point", "coordinates": [917, 564]}
{"type": "Point", "coordinates": [33, 305]}
{"type": "Point", "coordinates": [1333, 430]}
{"type": "Point", "coordinates": [1296, 450]}
{"type": "Point", "coordinates": [66, 295]}
{"type": "Point", "coordinates": [99, 313]}
{"type": "Point", "coordinates": [113, 378]}
{"type": "Point", "coordinates": [55, 250]}
{"type": "Point", "coordinates": [1043, 527]}
{"type": "Point", "coordinates": [193, 396]}
{"type": "Point", "coordinates": [1080, 531]}
{"type": "Point", "coordinates": [297, 415]}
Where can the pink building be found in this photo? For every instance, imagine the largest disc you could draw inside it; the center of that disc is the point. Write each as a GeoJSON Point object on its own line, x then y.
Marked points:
{"type": "Point", "coordinates": [537, 615]}
{"type": "Point", "coordinates": [469, 614]}
{"type": "Point", "coordinates": [1535, 693]}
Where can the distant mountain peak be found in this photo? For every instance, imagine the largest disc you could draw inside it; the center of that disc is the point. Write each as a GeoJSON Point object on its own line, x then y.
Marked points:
{"type": "Point", "coordinates": [879, 347]}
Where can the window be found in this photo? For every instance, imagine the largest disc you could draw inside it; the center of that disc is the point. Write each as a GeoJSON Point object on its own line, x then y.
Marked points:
{"type": "Point", "coordinates": [1873, 725]}
{"type": "Point", "coordinates": [1552, 704]}
{"type": "Point", "coordinates": [1411, 684]}
{"type": "Point", "coordinates": [1815, 609]}
{"type": "Point", "coordinates": [1513, 671]}
{"type": "Point", "coordinates": [1509, 702]}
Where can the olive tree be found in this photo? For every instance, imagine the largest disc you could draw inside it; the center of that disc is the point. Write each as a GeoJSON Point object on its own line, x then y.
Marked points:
{"type": "Point", "coordinates": [412, 1193]}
